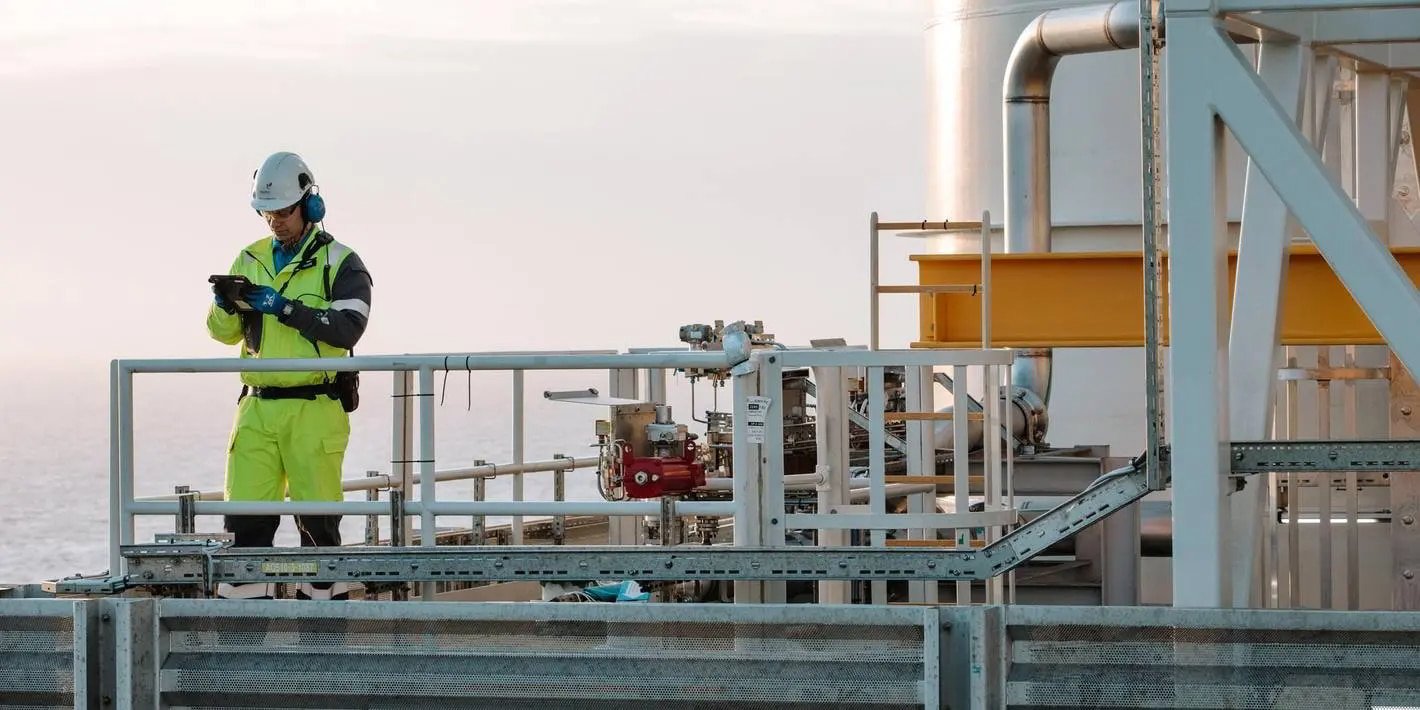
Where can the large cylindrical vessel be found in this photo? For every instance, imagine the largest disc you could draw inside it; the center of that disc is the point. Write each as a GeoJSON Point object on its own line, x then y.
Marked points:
{"type": "Point", "coordinates": [1097, 395]}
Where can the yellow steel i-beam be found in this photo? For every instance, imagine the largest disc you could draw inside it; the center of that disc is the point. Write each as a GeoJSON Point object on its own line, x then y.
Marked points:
{"type": "Point", "coordinates": [1096, 299]}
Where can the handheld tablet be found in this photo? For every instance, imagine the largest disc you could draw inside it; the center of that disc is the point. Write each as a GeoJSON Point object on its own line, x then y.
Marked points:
{"type": "Point", "coordinates": [232, 289]}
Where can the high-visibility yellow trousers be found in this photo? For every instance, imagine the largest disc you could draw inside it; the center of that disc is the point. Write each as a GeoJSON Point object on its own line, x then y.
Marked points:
{"type": "Point", "coordinates": [283, 447]}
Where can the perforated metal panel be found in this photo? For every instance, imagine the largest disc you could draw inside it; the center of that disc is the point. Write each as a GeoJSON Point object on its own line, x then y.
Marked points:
{"type": "Point", "coordinates": [37, 660]}
{"type": "Point", "coordinates": [1186, 658]}
{"type": "Point", "coordinates": [551, 655]}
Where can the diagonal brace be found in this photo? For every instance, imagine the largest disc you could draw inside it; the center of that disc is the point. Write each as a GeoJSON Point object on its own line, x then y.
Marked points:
{"type": "Point", "coordinates": [1297, 174]}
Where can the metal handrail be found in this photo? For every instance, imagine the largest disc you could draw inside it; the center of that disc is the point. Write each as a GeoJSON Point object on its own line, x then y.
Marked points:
{"type": "Point", "coordinates": [124, 507]}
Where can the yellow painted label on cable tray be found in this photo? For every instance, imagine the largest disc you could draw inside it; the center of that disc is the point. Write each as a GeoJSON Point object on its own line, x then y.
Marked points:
{"type": "Point", "coordinates": [289, 568]}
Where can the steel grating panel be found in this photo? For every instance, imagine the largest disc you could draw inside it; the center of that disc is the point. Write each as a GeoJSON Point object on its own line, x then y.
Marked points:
{"type": "Point", "coordinates": [1173, 658]}
{"type": "Point", "coordinates": [37, 654]}
{"type": "Point", "coordinates": [471, 655]}
{"type": "Point", "coordinates": [613, 683]}
{"type": "Point", "coordinates": [56, 640]}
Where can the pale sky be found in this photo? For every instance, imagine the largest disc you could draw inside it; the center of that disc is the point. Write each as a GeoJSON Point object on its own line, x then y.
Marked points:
{"type": "Point", "coordinates": [531, 174]}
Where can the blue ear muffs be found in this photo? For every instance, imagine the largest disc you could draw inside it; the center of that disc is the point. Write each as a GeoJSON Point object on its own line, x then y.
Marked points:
{"type": "Point", "coordinates": [313, 206]}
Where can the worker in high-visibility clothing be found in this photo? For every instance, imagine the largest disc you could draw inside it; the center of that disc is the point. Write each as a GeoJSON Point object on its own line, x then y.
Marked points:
{"type": "Point", "coordinates": [309, 298]}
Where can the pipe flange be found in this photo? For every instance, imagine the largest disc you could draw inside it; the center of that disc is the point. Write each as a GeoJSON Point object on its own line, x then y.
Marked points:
{"type": "Point", "coordinates": [1033, 413]}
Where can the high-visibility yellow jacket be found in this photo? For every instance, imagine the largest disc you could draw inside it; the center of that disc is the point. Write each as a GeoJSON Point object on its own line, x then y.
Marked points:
{"type": "Point", "coordinates": [328, 290]}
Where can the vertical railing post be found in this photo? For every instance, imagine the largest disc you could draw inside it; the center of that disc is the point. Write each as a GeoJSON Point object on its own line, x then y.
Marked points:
{"type": "Point", "coordinates": [623, 530]}
{"type": "Point", "coordinates": [559, 494]}
{"type": "Point", "coordinates": [517, 451]}
{"type": "Point", "coordinates": [992, 430]}
{"type": "Point", "coordinates": [115, 471]}
{"type": "Point", "coordinates": [1325, 552]}
{"type": "Point", "coordinates": [372, 522]}
{"type": "Point", "coordinates": [831, 433]}
{"type": "Point", "coordinates": [124, 532]}
{"type": "Point", "coordinates": [771, 388]}
{"type": "Point", "coordinates": [186, 521]}
{"type": "Point", "coordinates": [1010, 469]}
{"type": "Point", "coordinates": [401, 450]}
{"type": "Point", "coordinates": [985, 281]}
{"type": "Point", "coordinates": [877, 471]}
{"type": "Point", "coordinates": [746, 479]}
{"type": "Point", "coordinates": [961, 467]}
{"type": "Point", "coordinates": [873, 282]}
{"type": "Point", "coordinates": [921, 461]}
{"type": "Point", "coordinates": [428, 533]}
{"type": "Point", "coordinates": [477, 527]}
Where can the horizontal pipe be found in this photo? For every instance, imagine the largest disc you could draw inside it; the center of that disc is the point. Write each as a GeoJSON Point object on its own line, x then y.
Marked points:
{"type": "Point", "coordinates": [701, 360]}
{"type": "Point", "coordinates": [887, 358]}
{"type": "Point", "coordinates": [487, 470]}
{"type": "Point", "coordinates": [638, 508]}
{"type": "Point", "coordinates": [609, 508]}
{"type": "Point", "coordinates": [810, 481]}
{"type": "Point", "coordinates": [791, 480]}
{"type": "Point", "coordinates": [385, 481]}
{"type": "Point", "coordinates": [262, 508]}
{"type": "Point", "coordinates": [892, 490]}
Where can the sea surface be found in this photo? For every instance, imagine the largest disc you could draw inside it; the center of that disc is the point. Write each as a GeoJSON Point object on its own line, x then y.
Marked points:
{"type": "Point", "coordinates": [54, 450]}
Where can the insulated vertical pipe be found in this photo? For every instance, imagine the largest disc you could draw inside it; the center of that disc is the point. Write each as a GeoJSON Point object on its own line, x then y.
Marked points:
{"type": "Point", "coordinates": [1026, 116]}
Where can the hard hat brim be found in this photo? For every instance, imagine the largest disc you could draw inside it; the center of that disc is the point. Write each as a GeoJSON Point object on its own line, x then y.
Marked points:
{"type": "Point", "coordinates": [272, 204]}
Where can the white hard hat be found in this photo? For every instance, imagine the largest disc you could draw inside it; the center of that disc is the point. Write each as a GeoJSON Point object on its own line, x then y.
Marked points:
{"type": "Point", "coordinates": [280, 182]}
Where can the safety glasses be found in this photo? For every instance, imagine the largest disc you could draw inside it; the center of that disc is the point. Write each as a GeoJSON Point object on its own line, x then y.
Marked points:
{"type": "Point", "coordinates": [282, 213]}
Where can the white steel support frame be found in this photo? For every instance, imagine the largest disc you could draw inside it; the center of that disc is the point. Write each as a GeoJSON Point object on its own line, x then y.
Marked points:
{"type": "Point", "coordinates": [921, 461]}
{"type": "Point", "coordinates": [746, 465]}
{"type": "Point", "coordinates": [771, 458]}
{"type": "Point", "coordinates": [1375, 144]}
{"type": "Point", "coordinates": [1210, 83]}
{"type": "Point", "coordinates": [1412, 112]}
{"type": "Point", "coordinates": [1253, 355]}
{"type": "Point", "coordinates": [1327, 127]}
{"type": "Point", "coordinates": [1374, 164]}
{"type": "Point", "coordinates": [1404, 495]}
{"type": "Point", "coordinates": [831, 436]}
{"type": "Point", "coordinates": [1198, 366]}
{"type": "Point", "coordinates": [763, 464]}
{"type": "Point", "coordinates": [622, 384]}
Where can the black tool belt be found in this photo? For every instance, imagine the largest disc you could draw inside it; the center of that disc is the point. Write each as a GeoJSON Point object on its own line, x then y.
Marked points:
{"type": "Point", "coordinates": [304, 392]}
